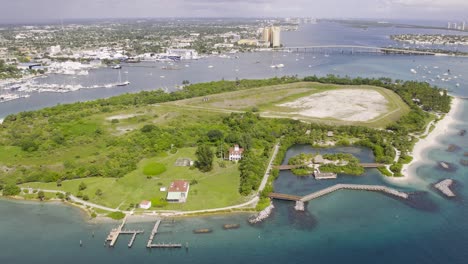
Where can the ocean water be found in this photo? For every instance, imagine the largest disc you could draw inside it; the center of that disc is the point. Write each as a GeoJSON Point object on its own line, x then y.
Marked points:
{"type": "Point", "coordinates": [346, 226]}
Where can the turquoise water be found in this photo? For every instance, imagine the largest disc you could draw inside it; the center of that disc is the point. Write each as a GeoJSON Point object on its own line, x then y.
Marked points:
{"type": "Point", "coordinates": [345, 226]}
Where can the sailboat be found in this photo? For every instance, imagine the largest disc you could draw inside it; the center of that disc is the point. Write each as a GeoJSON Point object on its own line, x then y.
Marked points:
{"type": "Point", "coordinates": [120, 83]}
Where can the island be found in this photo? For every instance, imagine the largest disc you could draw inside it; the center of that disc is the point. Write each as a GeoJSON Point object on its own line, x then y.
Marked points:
{"type": "Point", "coordinates": [212, 145]}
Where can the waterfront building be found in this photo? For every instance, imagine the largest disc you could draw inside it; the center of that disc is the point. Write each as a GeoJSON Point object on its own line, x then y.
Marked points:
{"type": "Point", "coordinates": [178, 191]}
{"type": "Point", "coordinates": [266, 34]}
{"type": "Point", "coordinates": [235, 153]}
{"type": "Point", "coordinates": [248, 42]}
{"type": "Point", "coordinates": [185, 54]}
{"type": "Point", "coordinates": [275, 37]}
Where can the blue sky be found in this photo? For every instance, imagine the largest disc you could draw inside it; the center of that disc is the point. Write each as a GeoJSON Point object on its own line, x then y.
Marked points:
{"type": "Point", "coordinates": [31, 10]}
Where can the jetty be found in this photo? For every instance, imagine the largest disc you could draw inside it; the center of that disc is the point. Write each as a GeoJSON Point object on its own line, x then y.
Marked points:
{"type": "Point", "coordinates": [300, 201]}
{"type": "Point", "coordinates": [116, 232]}
{"type": "Point", "coordinates": [444, 187]}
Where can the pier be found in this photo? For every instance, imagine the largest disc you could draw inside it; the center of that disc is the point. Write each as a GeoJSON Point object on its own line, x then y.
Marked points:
{"type": "Point", "coordinates": [116, 232]}
{"type": "Point", "coordinates": [300, 201]}
{"type": "Point", "coordinates": [154, 232]}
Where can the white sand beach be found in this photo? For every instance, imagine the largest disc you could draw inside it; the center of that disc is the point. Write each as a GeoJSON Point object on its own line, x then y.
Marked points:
{"type": "Point", "coordinates": [420, 148]}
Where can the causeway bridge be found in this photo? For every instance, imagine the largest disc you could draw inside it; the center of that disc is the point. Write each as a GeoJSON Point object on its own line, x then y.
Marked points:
{"type": "Point", "coordinates": [300, 200]}
{"type": "Point", "coordinates": [351, 49]}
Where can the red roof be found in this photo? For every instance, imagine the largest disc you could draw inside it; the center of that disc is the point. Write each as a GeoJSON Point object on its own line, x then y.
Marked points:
{"type": "Point", "coordinates": [236, 150]}
{"type": "Point", "coordinates": [178, 186]}
{"type": "Point", "coordinates": [144, 202]}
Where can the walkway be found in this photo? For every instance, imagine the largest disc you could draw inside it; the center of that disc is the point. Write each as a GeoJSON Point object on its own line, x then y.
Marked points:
{"type": "Point", "coordinates": [306, 198]}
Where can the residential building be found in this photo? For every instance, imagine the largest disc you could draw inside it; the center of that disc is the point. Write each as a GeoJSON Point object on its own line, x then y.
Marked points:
{"type": "Point", "coordinates": [145, 204]}
{"type": "Point", "coordinates": [178, 191]}
{"type": "Point", "coordinates": [235, 153]}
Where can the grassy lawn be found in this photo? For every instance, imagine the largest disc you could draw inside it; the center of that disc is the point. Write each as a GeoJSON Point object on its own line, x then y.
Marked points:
{"type": "Point", "coordinates": [217, 188]}
{"type": "Point", "coordinates": [266, 100]}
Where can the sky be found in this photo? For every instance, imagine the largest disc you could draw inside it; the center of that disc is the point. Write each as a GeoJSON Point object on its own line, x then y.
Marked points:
{"type": "Point", "coordinates": [13, 11]}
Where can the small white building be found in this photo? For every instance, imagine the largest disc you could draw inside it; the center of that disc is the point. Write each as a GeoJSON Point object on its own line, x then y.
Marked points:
{"type": "Point", "coordinates": [178, 191]}
{"type": "Point", "coordinates": [235, 153]}
{"type": "Point", "coordinates": [145, 204]}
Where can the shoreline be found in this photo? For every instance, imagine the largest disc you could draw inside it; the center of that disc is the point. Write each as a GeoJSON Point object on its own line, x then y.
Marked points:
{"type": "Point", "coordinates": [419, 150]}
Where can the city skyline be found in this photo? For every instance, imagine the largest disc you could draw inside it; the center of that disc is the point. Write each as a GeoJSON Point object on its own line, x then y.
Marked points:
{"type": "Point", "coordinates": [23, 11]}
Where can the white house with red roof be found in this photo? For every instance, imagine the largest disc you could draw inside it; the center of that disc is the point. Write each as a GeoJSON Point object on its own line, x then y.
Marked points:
{"type": "Point", "coordinates": [145, 204]}
{"type": "Point", "coordinates": [178, 191]}
{"type": "Point", "coordinates": [235, 153]}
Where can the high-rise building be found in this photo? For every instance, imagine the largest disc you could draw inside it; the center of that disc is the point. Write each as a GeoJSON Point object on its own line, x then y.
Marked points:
{"type": "Point", "coordinates": [266, 34]}
{"type": "Point", "coordinates": [448, 25]}
{"type": "Point", "coordinates": [463, 25]}
{"type": "Point", "coordinates": [275, 37]}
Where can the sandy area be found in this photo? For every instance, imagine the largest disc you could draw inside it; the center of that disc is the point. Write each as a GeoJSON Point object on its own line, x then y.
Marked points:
{"type": "Point", "coordinates": [121, 117]}
{"type": "Point", "coordinates": [343, 104]}
{"type": "Point", "coordinates": [420, 148]}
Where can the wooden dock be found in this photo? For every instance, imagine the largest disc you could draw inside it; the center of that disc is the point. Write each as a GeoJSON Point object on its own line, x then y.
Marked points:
{"type": "Point", "coordinates": [116, 232]}
{"type": "Point", "coordinates": [374, 188]}
{"type": "Point", "coordinates": [301, 200]}
{"type": "Point", "coordinates": [287, 197]}
{"type": "Point", "coordinates": [164, 245]}
{"type": "Point", "coordinates": [153, 234]}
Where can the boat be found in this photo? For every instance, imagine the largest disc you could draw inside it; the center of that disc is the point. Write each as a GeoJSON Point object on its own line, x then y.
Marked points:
{"type": "Point", "coordinates": [444, 165]}
{"type": "Point", "coordinates": [211, 66]}
{"type": "Point", "coordinates": [413, 71]}
{"type": "Point", "coordinates": [464, 162]}
{"type": "Point", "coordinates": [277, 66]}
{"type": "Point", "coordinates": [462, 132]}
{"type": "Point", "coordinates": [231, 226]}
{"type": "Point", "coordinates": [120, 83]}
{"type": "Point", "coordinates": [117, 67]}
{"type": "Point", "coordinates": [202, 231]}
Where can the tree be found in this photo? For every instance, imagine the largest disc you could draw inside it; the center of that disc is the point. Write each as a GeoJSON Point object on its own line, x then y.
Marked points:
{"type": "Point", "coordinates": [99, 192]}
{"type": "Point", "coordinates": [11, 190]}
{"type": "Point", "coordinates": [215, 135]}
{"type": "Point", "coordinates": [41, 195]}
{"type": "Point", "coordinates": [205, 158]}
{"type": "Point", "coordinates": [82, 186]}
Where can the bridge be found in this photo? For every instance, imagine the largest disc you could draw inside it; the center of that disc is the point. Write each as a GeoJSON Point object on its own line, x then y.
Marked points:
{"type": "Point", "coordinates": [351, 49]}
{"type": "Point", "coordinates": [301, 200]}
{"type": "Point", "coordinates": [364, 165]}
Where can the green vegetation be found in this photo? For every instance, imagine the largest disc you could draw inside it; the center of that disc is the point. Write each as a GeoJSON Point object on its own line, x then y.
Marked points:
{"type": "Point", "coordinates": [116, 215]}
{"type": "Point", "coordinates": [11, 190]}
{"type": "Point", "coordinates": [347, 163]}
{"type": "Point", "coordinates": [204, 158]}
{"type": "Point", "coordinates": [68, 147]}
{"type": "Point", "coordinates": [385, 172]}
{"type": "Point", "coordinates": [8, 71]}
{"type": "Point", "coordinates": [154, 168]}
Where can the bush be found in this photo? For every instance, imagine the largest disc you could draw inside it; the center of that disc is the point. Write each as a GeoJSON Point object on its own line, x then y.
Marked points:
{"type": "Point", "coordinates": [85, 197]}
{"type": "Point", "coordinates": [82, 186]}
{"type": "Point", "coordinates": [384, 171]}
{"type": "Point", "coordinates": [158, 202]}
{"type": "Point", "coordinates": [262, 204]}
{"type": "Point", "coordinates": [154, 168]}
{"type": "Point", "coordinates": [11, 190]}
{"type": "Point", "coordinates": [116, 215]}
